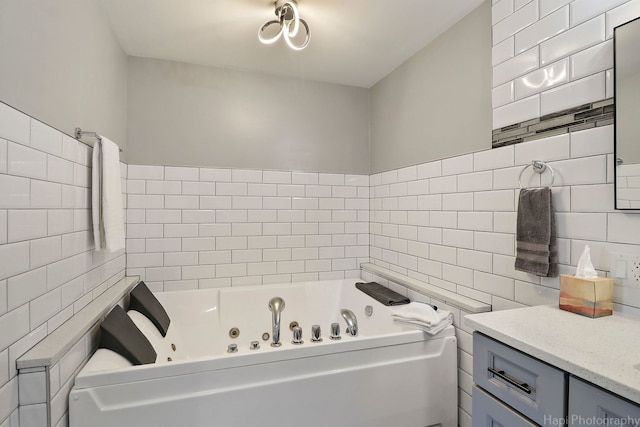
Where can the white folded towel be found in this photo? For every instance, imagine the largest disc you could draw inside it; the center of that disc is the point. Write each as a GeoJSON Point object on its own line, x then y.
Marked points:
{"type": "Point", "coordinates": [423, 316]}
{"type": "Point", "coordinates": [106, 197]}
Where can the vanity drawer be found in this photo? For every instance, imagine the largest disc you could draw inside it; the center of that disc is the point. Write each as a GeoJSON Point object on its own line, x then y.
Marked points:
{"type": "Point", "coordinates": [590, 405]}
{"type": "Point", "coordinates": [531, 387]}
{"type": "Point", "coordinates": [490, 412]}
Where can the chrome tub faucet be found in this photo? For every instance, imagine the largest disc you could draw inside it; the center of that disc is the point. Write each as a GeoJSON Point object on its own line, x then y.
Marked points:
{"type": "Point", "coordinates": [352, 322]}
{"type": "Point", "coordinates": [276, 306]}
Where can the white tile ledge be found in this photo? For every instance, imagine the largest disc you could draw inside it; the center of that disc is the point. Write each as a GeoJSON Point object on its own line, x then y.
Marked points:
{"type": "Point", "coordinates": [596, 350]}
{"type": "Point", "coordinates": [51, 349]}
{"type": "Point", "coordinates": [448, 297]}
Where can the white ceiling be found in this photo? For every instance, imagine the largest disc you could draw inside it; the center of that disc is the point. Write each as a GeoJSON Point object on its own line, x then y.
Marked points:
{"type": "Point", "coordinates": [353, 42]}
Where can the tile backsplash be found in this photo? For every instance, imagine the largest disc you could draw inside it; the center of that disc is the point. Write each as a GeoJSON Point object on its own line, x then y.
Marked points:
{"type": "Point", "coordinates": [190, 228]}
{"type": "Point", "coordinates": [551, 55]}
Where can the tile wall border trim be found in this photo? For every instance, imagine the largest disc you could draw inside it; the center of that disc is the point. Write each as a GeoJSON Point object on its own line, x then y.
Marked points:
{"type": "Point", "coordinates": [587, 116]}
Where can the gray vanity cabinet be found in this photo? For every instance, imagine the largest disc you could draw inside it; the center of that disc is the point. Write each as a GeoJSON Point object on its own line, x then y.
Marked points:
{"type": "Point", "coordinates": [590, 405]}
{"type": "Point", "coordinates": [531, 387]}
{"type": "Point", "coordinates": [514, 389]}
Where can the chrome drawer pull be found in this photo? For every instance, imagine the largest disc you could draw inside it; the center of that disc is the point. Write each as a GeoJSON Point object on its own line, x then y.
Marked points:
{"type": "Point", "coordinates": [500, 374]}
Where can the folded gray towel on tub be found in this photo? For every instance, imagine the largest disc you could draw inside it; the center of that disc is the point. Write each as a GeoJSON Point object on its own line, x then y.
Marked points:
{"type": "Point", "coordinates": [536, 243]}
{"type": "Point", "coordinates": [382, 294]}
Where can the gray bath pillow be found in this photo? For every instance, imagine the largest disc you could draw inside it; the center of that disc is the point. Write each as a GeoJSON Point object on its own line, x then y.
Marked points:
{"type": "Point", "coordinates": [144, 302]}
{"type": "Point", "coordinates": [118, 333]}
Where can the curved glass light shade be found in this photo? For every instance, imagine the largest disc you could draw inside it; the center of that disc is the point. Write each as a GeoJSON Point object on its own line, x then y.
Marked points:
{"type": "Point", "coordinates": [271, 39]}
{"type": "Point", "coordinates": [295, 20]}
{"type": "Point", "coordinates": [289, 21]}
{"type": "Point", "coordinates": [287, 37]}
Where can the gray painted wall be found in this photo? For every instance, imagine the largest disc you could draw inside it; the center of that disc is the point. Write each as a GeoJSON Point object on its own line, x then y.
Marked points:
{"type": "Point", "coordinates": [62, 64]}
{"type": "Point", "coordinates": [438, 103]}
{"type": "Point", "coordinates": [188, 115]}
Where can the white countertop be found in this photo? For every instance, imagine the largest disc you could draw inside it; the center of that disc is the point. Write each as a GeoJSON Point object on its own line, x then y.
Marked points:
{"type": "Point", "coordinates": [604, 351]}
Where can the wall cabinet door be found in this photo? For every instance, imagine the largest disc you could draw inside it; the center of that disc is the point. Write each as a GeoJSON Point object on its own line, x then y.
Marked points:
{"type": "Point", "coordinates": [592, 406]}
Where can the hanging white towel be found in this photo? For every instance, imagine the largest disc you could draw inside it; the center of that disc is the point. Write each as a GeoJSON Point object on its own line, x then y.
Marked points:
{"type": "Point", "coordinates": [106, 197]}
{"type": "Point", "coordinates": [423, 316]}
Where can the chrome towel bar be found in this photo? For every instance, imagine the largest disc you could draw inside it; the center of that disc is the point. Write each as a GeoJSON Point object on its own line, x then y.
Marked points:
{"type": "Point", "coordinates": [79, 133]}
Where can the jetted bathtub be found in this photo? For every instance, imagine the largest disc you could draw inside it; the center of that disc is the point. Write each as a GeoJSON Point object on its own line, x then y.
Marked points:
{"type": "Point", "coordinates": [386, 376]}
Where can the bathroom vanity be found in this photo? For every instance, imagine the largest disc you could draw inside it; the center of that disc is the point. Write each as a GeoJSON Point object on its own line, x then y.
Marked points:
{"type": "Point", "coordinates": [541, 366]}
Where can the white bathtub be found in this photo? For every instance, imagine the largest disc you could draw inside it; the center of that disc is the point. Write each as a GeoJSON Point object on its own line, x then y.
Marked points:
{"type": "Point", "coordinates": [387, 376]}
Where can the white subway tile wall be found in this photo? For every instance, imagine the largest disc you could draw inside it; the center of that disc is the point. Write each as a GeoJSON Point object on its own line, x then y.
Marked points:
{"type": "Point", "coordinates": [549, 55]}
{"type": "Point", "coordinates": [199, 228]}
{"type": "Point", "coordinates": [461, 233]}
{"type": "Point", "coordinates": [48, 267]}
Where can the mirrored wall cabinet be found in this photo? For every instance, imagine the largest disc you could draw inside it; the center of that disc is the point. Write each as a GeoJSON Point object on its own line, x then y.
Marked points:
{"type": "Point", "coordinates": [627, 115]}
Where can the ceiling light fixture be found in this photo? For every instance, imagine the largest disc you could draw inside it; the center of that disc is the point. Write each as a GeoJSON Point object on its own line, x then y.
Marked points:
{"type": "Point", "coordinates": [289, 21]}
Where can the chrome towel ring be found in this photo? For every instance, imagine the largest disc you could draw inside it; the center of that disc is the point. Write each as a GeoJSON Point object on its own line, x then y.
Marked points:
{"type": "Point", "coordinates": [538, 166]}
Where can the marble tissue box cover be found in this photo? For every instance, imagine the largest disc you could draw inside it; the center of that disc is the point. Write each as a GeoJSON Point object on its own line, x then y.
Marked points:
{"type": "Point", "coordinates": [591, 297]}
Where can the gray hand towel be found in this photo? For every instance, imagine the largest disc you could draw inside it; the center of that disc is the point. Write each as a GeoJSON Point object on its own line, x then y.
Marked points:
{"type": "Point", "coordinates": [382, 294]}
{"type": "Point", "coordinates": [537, 249]}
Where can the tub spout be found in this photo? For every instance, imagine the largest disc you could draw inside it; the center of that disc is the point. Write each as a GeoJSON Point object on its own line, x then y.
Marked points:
{"type": "Point", "coordinates": [276, 305]}
{"type": "Point", "coordinates": [352, 322]}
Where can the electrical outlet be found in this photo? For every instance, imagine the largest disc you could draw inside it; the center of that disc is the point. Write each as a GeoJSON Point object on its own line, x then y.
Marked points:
{"type": "Point", "coordinates": [635, 271]}
{"type": "Point", "coordinates": [625, 269]}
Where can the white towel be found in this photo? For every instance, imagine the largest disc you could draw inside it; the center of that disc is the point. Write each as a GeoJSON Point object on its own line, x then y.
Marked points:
{"type": "Point", "coordinates": [423, 316]}
{"type": "Point", "coordinates": [106, 197]}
